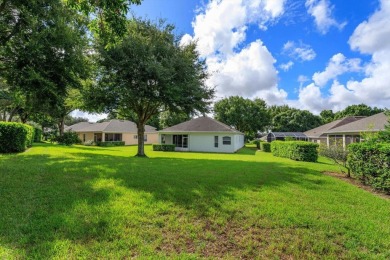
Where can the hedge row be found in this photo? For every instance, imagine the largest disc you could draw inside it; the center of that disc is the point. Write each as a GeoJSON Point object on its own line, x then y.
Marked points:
{"type": "Point", "coordinates": [265, 147]}
{"type": "Point", "coordinates": [295, 150]}
{"type": "Point", "coordinates": [164, 147]}
{"type": "Point", "coordinates": [370, 162]}
{"type": "Point", "coordinates": [111, 143]}
{"type": "Point", "coordinates": [15, 137]}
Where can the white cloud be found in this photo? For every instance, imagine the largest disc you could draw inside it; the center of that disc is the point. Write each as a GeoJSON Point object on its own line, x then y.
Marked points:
{"type": "Point", "coordinates": [91, 117]}
{"type": "Point", "coordinates": [220, 31]}
{"type": "Point", "coordinates": [321, 10]}
{"type": "Point", "coordinates": [337, 65]}
{"type": "Point", "coordinates": [299, 51]}
{"type": "Point", "coordinates": [245, 72]}
{"type": "Point", "coordinates": [185, 40]}
{"type": "Point", "coordinates": [372, 36]}
{"type": "Point", "coordinates": [286, 66]}
{"type": "Point", "coordinates": [310, 98]}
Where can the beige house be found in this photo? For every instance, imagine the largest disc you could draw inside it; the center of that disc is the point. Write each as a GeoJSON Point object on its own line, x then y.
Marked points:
{"type": "Point", "coordinates": [202, 134]}
{"type": "Point", "coordinates": [318, 134]}
{"type": "Point", "coordinates": [351, 133]}
{"type": "Point", "coordinates": [113, 130]}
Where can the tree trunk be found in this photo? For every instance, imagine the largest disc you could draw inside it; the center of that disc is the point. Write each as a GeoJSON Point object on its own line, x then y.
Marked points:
{"type": "Point", "coordinates": [61, 126]}
{"type": "Point", "coordinates": [141, 134]}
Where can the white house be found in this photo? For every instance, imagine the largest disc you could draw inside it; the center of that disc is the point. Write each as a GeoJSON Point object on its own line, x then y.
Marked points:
{"type": "Point", "coordinates": [202, 134]}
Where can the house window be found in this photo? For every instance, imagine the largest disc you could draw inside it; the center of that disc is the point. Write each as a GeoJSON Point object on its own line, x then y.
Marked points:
{"type": "Point", "coordinates": [226, 140]}
{"type": "Point", "coordinates": [84, 138]}
{"type": "Point", "coordinates": [145, 138]}
{"type": "Point", "coordinates": [135, 136]}
{"type": "Point", "coordinates": [180, 141]}
{"type": "Point", "coordinates": [163, 139]}
{"type": "Point", "coordinates": [215, 141]}
{"type": "Point", "coordinates": [113, 137]}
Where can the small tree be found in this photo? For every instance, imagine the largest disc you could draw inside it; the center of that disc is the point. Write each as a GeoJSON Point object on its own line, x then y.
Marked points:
{"type": "Point", "coordinates": [338, 154]}
{"type": "Point", "coordinates": [149, 72]}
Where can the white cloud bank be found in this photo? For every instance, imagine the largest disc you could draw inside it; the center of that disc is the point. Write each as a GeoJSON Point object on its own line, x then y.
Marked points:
{"type": "Point", "coordinates": [370, 37]}
{"type": "Point", "coordinates": [235, 69]}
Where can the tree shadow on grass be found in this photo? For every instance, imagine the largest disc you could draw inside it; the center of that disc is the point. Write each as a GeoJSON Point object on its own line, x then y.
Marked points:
{"type": "Point", "coordinates": [46, 199]}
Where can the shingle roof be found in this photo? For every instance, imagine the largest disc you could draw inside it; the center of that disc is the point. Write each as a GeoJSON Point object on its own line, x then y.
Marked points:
{"type": "Point", "coordinates": [318, 131]}
{"type": "Point", "coordinates": [112, 126]}
{"type": "Point", "coordinates": [372, 123]}
{"type": "Point", "coordinates": [201, 124]}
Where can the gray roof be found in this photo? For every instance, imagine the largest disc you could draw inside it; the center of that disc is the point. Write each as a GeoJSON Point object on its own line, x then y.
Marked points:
{"type": "Point", "coordinates": [201, 124]}
{"type": "Point", "coordinates": [319, 131]}
{"type": "Point", "coordinates": [373, 123]}
{"type": "Point", "coordinates": [112, 126]}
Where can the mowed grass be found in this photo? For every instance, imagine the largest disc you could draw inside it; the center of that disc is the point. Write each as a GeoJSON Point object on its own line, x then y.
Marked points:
{"type": "Point", "coordinates": [91, 202]}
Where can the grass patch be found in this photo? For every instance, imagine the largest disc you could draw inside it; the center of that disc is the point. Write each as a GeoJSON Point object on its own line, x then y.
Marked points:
{"type": "Point", "coordinates": [94, 202]}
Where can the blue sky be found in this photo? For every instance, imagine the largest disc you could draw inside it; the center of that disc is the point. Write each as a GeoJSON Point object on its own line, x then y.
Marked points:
{"type": "Point", "coordinates": [309, 54]}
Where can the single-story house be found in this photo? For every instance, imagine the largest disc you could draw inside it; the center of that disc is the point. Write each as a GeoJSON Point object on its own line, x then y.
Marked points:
{"type": "Point", "coordinates": [317, 135]}
{"type": "Point", "coordinates": [113, 130]}
{"type": "Point", "coordinates": [202, 134]}
{"type": "Point", "coordinates": [351, 133]}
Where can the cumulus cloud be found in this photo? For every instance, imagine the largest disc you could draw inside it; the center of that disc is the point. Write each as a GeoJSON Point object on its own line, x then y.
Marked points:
{"type": "Point", "coordinates": [286, 66]}
{"type": "Point", "coordinates": [321, 10]}
{"type": "Point", "coordinates": [236, 69]}
{"type": "Point", "coordinates": [337, 65]}
{"type": "Point", "coordinates": [245, 72]}
{"type": "Point", "coordinates": [299, 51]}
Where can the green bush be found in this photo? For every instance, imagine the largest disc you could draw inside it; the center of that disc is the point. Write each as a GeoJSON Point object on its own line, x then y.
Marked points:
{"type": "Point", "coordinates": [257, 143]}
{"type": "Point", "coordinates": [164, 147]}
{"type": "Point", "coordinates": [370, 162]}
{"type": "Point", "coordinates": [289, 138]}
{"type": "Point", "coordinates": [68, 138]}
{"type": "Point", "coordinates": [265, 147]}
{"type": "Point", "coordinates": [111, 143]}
{"type": "Point", "coordinates": [15, 137]}
{"type": "Point", "coordinates": [295, 150]}
{"type": "Point", "coordinates": [37, 135]}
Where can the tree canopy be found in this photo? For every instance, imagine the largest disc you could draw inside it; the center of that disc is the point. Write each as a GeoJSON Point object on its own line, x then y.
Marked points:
{"type": "Point", "coordinates": [246, 115]}
{"type": "Point", "coordinates": [286, 119]}
{"type": "Point", "coordinates": [148, 72]}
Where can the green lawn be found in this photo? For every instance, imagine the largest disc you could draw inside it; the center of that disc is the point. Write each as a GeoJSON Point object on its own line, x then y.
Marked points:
{"type": "Point", "coordinates": [92, 202]}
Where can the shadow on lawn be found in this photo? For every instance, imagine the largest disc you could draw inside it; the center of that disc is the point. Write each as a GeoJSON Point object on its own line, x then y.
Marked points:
{"type": "Point", "coordinates": [44, 199]}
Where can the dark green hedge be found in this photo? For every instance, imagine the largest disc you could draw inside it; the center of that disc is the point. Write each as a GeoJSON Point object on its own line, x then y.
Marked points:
{"type": "Point", "coordinates": [295, 150]}
{"type": "Point", "coordinates": [265, 147]}
{"type": "Point", "coordinates": [164, 147]}
{"type": "Point", "coordinates": [370, 162]}
{"type": "Point", "coordinates": [15, 137]}
{"type": "Point", "coordinates": [111, 143]}
{"type": "Point", "coordinates": [37, 135]}
{"type": "Point", "coordinates": [68, 138]}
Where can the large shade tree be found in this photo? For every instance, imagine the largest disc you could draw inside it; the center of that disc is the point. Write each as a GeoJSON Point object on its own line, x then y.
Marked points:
{"type": "Point", "coordinates": [245, 115]}
{"type": "Point", "coordinates": [286, 119]}
{"type": "Point", "coordinates": [149, 72]}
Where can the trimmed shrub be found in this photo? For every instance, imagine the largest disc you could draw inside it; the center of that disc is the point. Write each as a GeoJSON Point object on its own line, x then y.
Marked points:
{"type": "Point", "coordinates": [370, 162]}
{"type": "Point", "coordinates": [257, 143]}
{"type": "Point", "coordinates": [68, 138]}
{"type": "Point", "coordinates": [15, 137]}
{"type": "Point", "coordinates": [37, 135]}
{"type": "Point", "coordinates": [164, 147]}
{"type": "Point", "coordinates": [295, 150]}
{"type": "Point", "coordinates": [111, 143]}
{"type": "Point", "coordinates": [265, 147]}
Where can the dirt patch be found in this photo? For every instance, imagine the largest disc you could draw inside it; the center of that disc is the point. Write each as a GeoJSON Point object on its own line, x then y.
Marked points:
{"type": "Point", "coordinates": [357, 183]}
